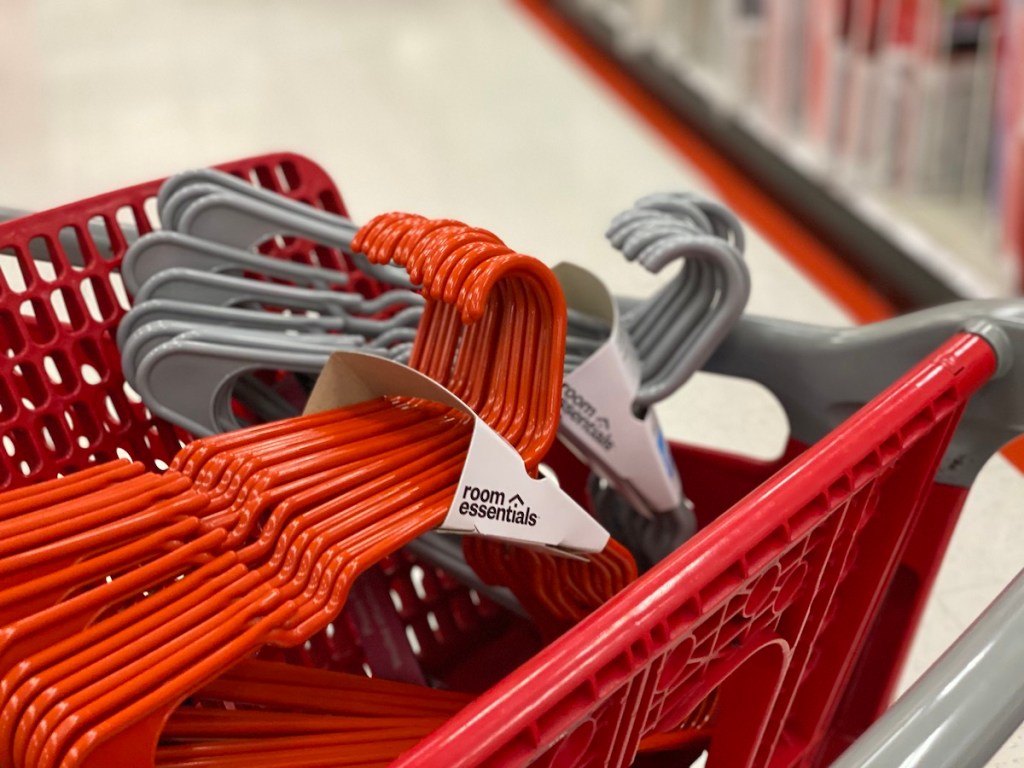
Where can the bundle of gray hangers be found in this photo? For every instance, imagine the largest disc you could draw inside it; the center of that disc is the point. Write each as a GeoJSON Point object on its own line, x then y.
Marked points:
{"type": "Point", "coordinates": [674, 332]}
{"type": "Point", "coordinates": [201, 316]}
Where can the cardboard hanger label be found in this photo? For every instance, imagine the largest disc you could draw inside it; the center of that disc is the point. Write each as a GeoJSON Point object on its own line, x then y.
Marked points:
{"type": "Point", "coordinates": [598, 421]}
{"type": "Point", "coordinates": [495, 496]}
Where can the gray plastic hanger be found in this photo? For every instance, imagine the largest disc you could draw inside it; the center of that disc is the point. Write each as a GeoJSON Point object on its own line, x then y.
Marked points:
{"type": "Point", "coordinates": [157, 251]}
{"type": "Point", "coordinates": [254, 319]}
{"type": "Point", "coordinates": [240, 317]}
{"type": "Point", "coordinates": [678, 328]}
{"type": "Point", "coordinates": [823, 375]}
{"type": "Point", "coordinates": [151, 335]}
{"type": "Point", "coordinates": [263, 400]}
{"type": "Point", "coordinates": [249, 220]}
{"type": "Point", "coordinates": [586, 326]}
{"type": "Point", "coordinates": [175, 196]}
{"type": "Point", "coordinates": [650, 540]}
{"type": "Point", "coordinates": [215, 289]}
{"type": "Point", "coordinates": [229, 290]}
{"type": "Point", "coordinates": [393, 344]}
{"type": "Point", "coordinates": [671, 319]}
{"type": "Point", "coordinates": [697, 209]}
{"type": "Point", "coordinates": [964, 707]}
{"type": "Point", "coordinates": [254, 348]}
{"type": "Point", "coordinates": [259, 397]}
{"type": "Point", "coordinates": [584, 336]}
{"type": "Point", "coordinates": [171, 209]}
{"type": "Point", "coordinates": [209, 179]}
{"type": "Point", "coordinates": [212, 370]}
{"type": "Point", "coordinates": [244, 222]}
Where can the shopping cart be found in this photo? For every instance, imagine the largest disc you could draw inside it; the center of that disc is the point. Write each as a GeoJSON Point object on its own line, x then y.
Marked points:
{"type": "Point", "coordinates": [793, 606]}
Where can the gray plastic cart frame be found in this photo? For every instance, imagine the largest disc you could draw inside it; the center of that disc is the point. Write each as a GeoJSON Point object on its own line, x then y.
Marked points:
{"type": "Point", "coordinates": [964, 707]}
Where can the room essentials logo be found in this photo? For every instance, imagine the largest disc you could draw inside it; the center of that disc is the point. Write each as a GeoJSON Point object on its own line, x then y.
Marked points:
{"type": "Point", "coordinates": [582, 412]}
{"type": "Point", "coordinates": [492, 504]}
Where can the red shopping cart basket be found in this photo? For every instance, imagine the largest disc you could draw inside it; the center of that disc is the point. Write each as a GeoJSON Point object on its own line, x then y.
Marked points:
{"type": "Point", "coordinates": [774, 604]}
{"type": "Point", "coordinates": [807, 570]}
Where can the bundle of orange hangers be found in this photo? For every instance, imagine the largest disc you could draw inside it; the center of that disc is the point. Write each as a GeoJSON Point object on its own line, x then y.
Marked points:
{"type": "Point", "coordinates": [132, 603]}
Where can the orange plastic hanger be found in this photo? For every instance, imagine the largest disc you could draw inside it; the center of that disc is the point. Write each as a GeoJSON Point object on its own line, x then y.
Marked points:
{"type": "Point", "coordinates": [315, 691]}
{"type": "Point", "coordinates": [23, 681]}
{"type": "Point", "coordinates": [376, 754]}
{"type": "Point", "coordinates": [41, 631]}
{"type": "Point", "coordinates": [45, 747]}
{"type": "Point", "coordinates": [246, 584]}
{"type": "Point", "coordinates": [46, 589]}
{"type": "Point", "coordinates": [49, 724]}
{"type": "Point", "coordinates": [192, 724]}
{"type": "Point", "coordinates": [373, 743]}
{"type": "Point", "coordinates": [31, 498]}
{"type": "Point", "coordinates": [79, 528]}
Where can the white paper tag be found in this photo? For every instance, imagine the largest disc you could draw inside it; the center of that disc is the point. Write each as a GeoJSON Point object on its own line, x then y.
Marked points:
{"type": "Point", "coordinates": [495, 496]}
{"type": "Point", "coordinates": [597, 407]}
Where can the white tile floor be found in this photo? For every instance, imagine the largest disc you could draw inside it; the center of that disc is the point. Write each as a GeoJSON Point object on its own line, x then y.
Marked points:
{"type": "Point", "coordinates": [457, 108]}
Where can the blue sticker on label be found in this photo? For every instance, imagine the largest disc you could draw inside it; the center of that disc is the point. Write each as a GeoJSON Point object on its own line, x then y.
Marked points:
{"type": "Point", "coordinates": [666, 454]}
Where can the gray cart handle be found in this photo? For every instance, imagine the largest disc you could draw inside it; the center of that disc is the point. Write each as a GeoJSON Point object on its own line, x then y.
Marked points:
{"type": "Point", "coordinates": [823, 375]}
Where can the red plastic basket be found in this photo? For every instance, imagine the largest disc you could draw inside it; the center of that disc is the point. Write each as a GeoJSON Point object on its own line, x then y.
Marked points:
{"type": "Point", "coordinates": [807, 572]}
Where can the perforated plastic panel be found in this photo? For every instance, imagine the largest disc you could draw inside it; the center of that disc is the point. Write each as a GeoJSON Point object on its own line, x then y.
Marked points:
{"type": "Point", "coordinates": [64, 403]}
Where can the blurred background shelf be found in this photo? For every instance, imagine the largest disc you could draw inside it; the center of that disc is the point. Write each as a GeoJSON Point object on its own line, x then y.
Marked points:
{"type": "Point", "coordinates": [764, 85]}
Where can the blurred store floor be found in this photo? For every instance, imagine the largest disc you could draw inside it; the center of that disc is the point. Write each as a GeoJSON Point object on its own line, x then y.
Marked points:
{"type": "Point", "coordinates": [453, 108]}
